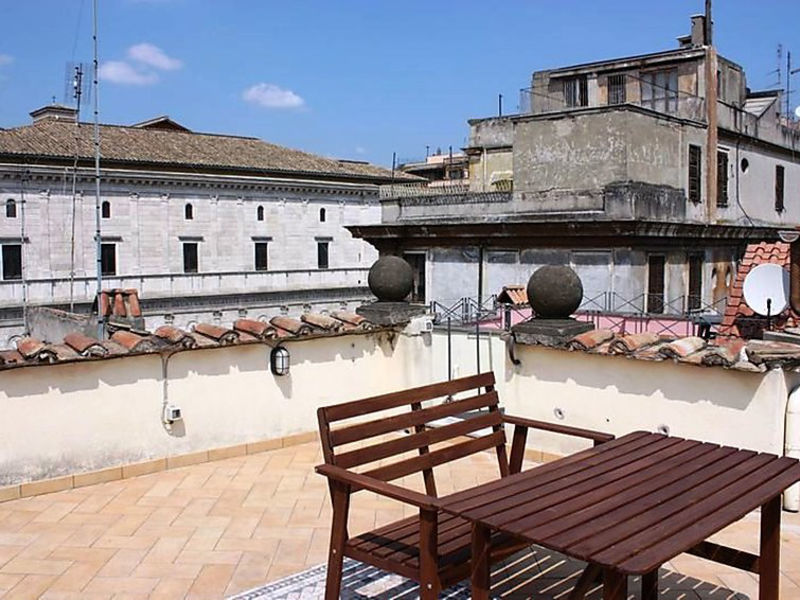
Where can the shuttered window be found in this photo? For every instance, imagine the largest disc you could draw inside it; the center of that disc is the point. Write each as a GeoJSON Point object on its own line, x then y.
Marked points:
{"type": "Point", "coordinates": [616, 89]}
{"type": "Point", "coordinates": [695, 172]}
{"type": "Point", "coordinates": [722, 179]}
{"type": "Point", "coordinates": [655, 284]}
{"type": "Point", "coordinates": [695, 295]}
{"type": "Point", "coordinates": [779, 174]}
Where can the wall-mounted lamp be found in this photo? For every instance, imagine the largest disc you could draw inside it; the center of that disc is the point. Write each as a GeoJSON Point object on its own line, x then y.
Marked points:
{"type": "Point", "coordinates": [789, 235]}
{"type": "Point", "coordinates": [279, 360]}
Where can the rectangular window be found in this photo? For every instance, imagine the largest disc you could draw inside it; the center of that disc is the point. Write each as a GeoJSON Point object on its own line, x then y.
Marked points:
{"type": "Point", "coordinates": [616, 89]}
{"type": "Point", "coordinates": [779, 174]}
{"type": "Point", "coordinates": [695, 172]}
{"type": "Point", "coordinates": [108, 259]}
{"type": "Point", "coordinates": [261, 256]}
{"type": "Point", "coordinates": [722, 179]}
{"type": "Point", "coordinates": [576, 91]}
{"type": "Point", "coordinates": [12, 261]}
{"type": "Point", "coordinates": [417, 262]}
{"type": "Point", "coordinates": [322, 255]}
{"type": "Point", "coordinates": [660, 90]}
{"type": "Point", "coordinates": [190, 257]}
{"type": "Point", "coordinates": [695, 296]}
{"type": "Point", "coordinates": [655, 284]}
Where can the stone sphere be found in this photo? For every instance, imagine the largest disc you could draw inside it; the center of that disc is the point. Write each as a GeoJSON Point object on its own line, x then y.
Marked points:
{"type": "Point", "coordinates": [390, 279]}
{"type": "Point", "coordinates": [554, 292]}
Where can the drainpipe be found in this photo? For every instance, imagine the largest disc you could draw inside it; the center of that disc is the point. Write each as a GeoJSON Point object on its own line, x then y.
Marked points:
{"type": "Point", "coordinates": [791, 497]}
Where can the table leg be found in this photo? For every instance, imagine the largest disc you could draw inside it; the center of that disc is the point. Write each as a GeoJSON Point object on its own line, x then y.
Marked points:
{"type": "Point", "coordinates": [769, 560]}
{"type": "Point", "coordinates": [615, 585]}
{"type": "Point", "coordinates": [650, 585]}
{"type": "Point", "coordinates": [480, 561]}
{"type": "Point", "coordinates": [588, 577]}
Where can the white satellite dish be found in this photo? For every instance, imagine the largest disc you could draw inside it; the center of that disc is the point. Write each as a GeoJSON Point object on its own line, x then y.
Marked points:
{"type": "Point", "coordinates": [797, 112]}
{"type": "Point", "coordinates": [766, 289]}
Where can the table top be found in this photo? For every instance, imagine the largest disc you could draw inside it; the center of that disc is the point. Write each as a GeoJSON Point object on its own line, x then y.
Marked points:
{"type": "Point", "coordinates": [631, 504]}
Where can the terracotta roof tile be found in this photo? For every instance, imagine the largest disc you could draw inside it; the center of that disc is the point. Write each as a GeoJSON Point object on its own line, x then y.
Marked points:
{"type": "Point", "coordinates": [683, 347]}
{"type": "Point", "coordinates": [773, 354]}
{"type": "Point", "coordinates": [516, 295]}
{"type": "Point", "coordinates": [202, 341]}
{"type": "Point", "coordinates": [134, 342]}
{"type": "Point", "coordinates": [54, 353]}
{"type": "Point", "coordinates": [634, 342]}
{"type": "Point", "coordinates": [590, 339]}
{"type": "Point", "coordinates": [11, 357]}
{"type": "Point", "coordinates": [321, 321]}
{"type": "Point", "coordinates": [85, 345]}
{"type": "Point", "coordinates": [291, 325]}
{"type": "Point", "coordinates": [259, 329]}
{"type": "Point", "coordinates": [173, 335]}
{"type": "Point", "coordinates": [221, 335]}
{"type": "Point", "coordinates": [30, 347]}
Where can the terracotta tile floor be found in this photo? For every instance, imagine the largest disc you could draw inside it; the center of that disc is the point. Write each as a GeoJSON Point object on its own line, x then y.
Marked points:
{"type": "Point", "coordinates": [215, 529]}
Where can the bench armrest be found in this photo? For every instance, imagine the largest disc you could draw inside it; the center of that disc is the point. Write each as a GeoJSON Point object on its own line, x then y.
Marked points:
{"type": "Point", "coordinates": [521, 426]}
{"type": "Point", "coordinates": [379, 487]}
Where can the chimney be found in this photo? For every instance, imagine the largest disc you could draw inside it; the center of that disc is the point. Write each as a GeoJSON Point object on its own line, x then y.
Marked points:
{"type": "Point", "coordinates": [698, 35]}
{"type": "Point", "coordinates": [56, 112]}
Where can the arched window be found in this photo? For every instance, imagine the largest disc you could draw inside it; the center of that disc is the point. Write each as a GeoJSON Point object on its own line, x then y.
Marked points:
{"type": "Point", "coordinates": [188, 212]}
{"type": "Point", "coordinates": [11, 208]}
{"type": "Point", "coordinates": [321, 215]}
{"type": "Point", "coordinates": [260, 213]}
{"type": "Point", "coordinates": [105, 209]}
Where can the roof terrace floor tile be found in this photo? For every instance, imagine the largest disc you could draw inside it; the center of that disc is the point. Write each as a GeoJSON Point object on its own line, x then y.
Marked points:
{"type": "Point", "coordinates": [215, 529]}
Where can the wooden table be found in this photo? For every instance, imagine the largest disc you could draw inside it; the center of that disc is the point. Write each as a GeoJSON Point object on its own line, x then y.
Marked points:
{"type": "Point", "coordinates": [631, 505]}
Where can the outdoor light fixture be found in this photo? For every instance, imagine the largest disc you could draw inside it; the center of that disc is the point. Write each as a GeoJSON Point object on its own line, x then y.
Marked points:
{"type": "Point", "coordinates": [788, 235]}
{"type": "Point", "coordinates": [279, 360]}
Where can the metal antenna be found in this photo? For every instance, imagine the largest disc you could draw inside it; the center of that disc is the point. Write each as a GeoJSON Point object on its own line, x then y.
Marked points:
{"type": "Point", "coordinates": [97, 238]}
{"type": "Point", "coordinates": [77, 83]}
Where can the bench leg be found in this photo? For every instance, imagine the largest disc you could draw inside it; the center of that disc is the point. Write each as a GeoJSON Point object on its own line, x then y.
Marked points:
{"type": "Point", "coordinates": [340, 496]}
{"type": "Point", "coordinates": [769, 560]}
{"type": "Point", "coordinates": [650, 585]}
{"type": "Point", "coordinates": [429, 584]}
{"type": "Point", "coordinates": [479, 577]}
{"type": "Point", "coordinates": [615, 585]}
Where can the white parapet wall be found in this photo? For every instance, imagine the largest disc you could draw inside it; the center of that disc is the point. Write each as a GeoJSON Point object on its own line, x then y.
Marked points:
{"type": "Point", "coordinates": [71, 418]}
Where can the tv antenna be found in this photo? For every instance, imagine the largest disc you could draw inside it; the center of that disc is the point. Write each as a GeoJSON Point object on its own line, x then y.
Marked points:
{"type": "Point", "coordinates": [766, 290]}
{"type": "Point", "coordinates": [77, 86]}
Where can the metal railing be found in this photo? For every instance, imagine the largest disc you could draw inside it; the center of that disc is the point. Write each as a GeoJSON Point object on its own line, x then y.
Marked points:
{"type": "Point", "coordinates": [432, 188]}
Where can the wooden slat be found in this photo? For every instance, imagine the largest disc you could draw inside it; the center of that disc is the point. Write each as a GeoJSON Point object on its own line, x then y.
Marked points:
{"type": "Point", "coordinates": [462, 500]}
{"type": "Point", "coordinates": [731, 504]}
{"type": "Point", "coordinates": [414, 441]}
{"type": "Point", "coordinates": [498, 499]}
{"type": "Point", "coordinates": [598, 502]}
{"type": "Point", "coordinates": [436, 458]}
{"type": "Point", "coordinates": [597, 436]}
{"type": "Point", "coordinates": [556, 493]}
{"type": "Point", "coordinates": [726, 556]}
{"type": "Point", "coordinates": [612, 512]}
{"type": "Point", "coordinates": [362, 431]}
{"type": "Point", "coordinates": [660, 506]}
{"type": "Point", "coordinates": [357, 481]}
{"type": "Point", "coordinates": [359, 408]}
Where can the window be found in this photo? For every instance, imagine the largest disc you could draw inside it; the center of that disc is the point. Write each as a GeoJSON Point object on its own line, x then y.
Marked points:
{"type": "Point", "coordinates": [695, 172]}
{"type": "Point", "coordinates": [655, 284]}
{"type": "Point", "coordinates": [321, 215]}
{"type": "Point", "coordinates": [260, 213]}
{"type": "Point", "coordinates": [322, 255]}
{"type": "Point", "coordinates": [188, 212]}
{"type": "Point", "coordinates": [105, 209]}
{"type": "Point", "coordinates": [11, 209]}
{"type": "Point", "coordinates": [12, 261]}
{"type": "Point", "coordinates": [190, 256]}
{"type": "Point", "coordinates": [108, 259]}
{"type": "Point", "coordinates": [616, 89]}
{"type": "Point", "coordinates": [722, 179]}
{"type": "Point", "coordinates": [261, 256]}
{"type": "Point", "coordinates": [575, 91]}
{"type": "Point", "coordinates": [660, 90]}
{"type": "Point", "coordinates": [417, 262]}
{"type": "Point", "coordinates": [779, 188]}
{"type": "Point", "coordinates": [695, 296]}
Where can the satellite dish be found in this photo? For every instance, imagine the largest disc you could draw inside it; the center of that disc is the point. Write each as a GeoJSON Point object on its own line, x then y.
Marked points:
{"type": "Point", "coordinates": [797, 112]}
{"type": "Point", "coordinates": [766, 289]}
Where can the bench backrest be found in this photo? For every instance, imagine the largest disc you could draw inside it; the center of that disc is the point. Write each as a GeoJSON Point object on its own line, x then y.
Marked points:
{"type": "Point", "coordinates": [357, 424]}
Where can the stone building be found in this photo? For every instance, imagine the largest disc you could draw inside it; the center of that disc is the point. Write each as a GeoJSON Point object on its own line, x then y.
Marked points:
{"type": "Point", "coordinates": [648, 174]}
{"type": "Point", "coordinates": [204, 226]}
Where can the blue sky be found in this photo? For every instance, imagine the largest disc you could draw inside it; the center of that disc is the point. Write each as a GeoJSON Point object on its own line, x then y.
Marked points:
{"type": "Point", "coordinates": [349, 78]}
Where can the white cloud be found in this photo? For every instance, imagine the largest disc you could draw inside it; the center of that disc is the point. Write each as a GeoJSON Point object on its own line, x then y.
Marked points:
{"type": "Point", "coordinates": [6, 59]}
{"type": "Point", "coordinates": [270, 95]}
{"type": "Point", "coordinates": [153, 56]}
{"type": "Point", "coordinates": [117, 71]}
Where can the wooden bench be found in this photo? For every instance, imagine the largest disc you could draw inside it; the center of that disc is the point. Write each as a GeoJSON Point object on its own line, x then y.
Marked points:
{"type": "Point", "coordinates": [431, 548]}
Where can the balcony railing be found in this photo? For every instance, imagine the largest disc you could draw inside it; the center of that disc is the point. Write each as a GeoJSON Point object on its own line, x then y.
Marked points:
{"type": "Point", "coordinates": [432, 188]}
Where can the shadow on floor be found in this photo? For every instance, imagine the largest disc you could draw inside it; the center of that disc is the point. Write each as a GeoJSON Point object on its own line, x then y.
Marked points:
{"type": "Point", "coordinates": [534, 573]}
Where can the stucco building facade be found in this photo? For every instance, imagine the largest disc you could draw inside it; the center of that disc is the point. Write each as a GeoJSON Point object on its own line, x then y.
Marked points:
{"type": "Point", "coordinates": [648, 174]}
{"type": "Point", "coordinates": [205, 227]}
